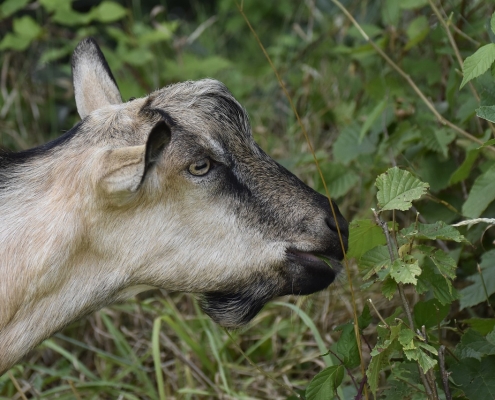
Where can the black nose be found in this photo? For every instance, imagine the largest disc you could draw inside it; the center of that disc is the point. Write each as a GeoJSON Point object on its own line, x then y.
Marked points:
{"type": "Point", "coordinates": [343, 226]}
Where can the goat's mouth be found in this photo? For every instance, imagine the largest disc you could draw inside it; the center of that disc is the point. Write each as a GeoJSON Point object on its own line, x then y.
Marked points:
{"type": "Point", "coordinates": [311, 271]}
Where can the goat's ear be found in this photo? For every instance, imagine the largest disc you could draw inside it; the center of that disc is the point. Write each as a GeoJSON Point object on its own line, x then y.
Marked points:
{"type": "Point", "coordinates": [125, 168]}
{"type": "Point", "coordinates": [94, 84]}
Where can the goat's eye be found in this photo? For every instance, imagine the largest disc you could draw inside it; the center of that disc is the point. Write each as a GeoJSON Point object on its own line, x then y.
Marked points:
{"type": "Point", "coordinates": [200, 167]}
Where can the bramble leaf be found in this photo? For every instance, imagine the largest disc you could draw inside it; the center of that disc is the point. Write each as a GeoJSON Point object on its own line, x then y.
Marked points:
{"type": "Point", "coordinates": [438, 230]}
{"type": "Point", "coordinates": [397, 189]}
{"type": "Point", "coordinates": [324, 384]}
{"type": "Point", "coordinates": [403, 272]}
{"type": "Point", "coordinates": [475, 378]}
{"type": "Point", "coordinates": [364, 234]}
{"type": "Point", "coordinates": [478, 63]}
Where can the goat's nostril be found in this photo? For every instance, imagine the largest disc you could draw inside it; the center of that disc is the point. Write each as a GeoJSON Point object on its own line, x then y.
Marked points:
{"type": "Point", "coordinates": [333, 226]}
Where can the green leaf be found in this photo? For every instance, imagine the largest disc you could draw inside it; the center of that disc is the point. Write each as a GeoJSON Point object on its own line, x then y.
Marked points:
{"type": "Point", "coordinates": [365, 318]}
{"type": "Point", "coordinates": [324, 384]}
{"type": "Point", "coordinates": [481, 325]}
{"type": "Point", "coordinates": [474, 345]}
{"type": "Point", "coordinates": [475, 293]}
{"type": "Point", "coordinates": [371, 118]}
{"type": "Point", "coordinates": [438, 139]}
{"type": "Point", "coordinates": [486, 112]}
{"type": "Point", "coordinates": [339, 179]}
{"type": "Point", "coordinates": [347, 347]}
{"type": "Point", "coordinates": [397, 189]}
{"type": "Point", "coordinates": [475, 378]}
{"type": "Point", "coordinates": [9, 7]}
{"type": "Point", "coordinates": [478, 63]}
{"type": "Point", "coordinates": [412, 4]}
{"type": "Point", "coordinates": [374, 260]}
{"type": "Point", "coordinates": [445, 264]}
{"type": "Point", "coordinates": [390, 12]}
{"type": "Point", "coordinates": [441, 287]}
{"type": "Point", "coordinates": [430, 313]}
{"type": "Point", "coordinates": [26, 30]}
{"type": "Point", "coordinates": [490, 142]}
{"type": "Point", "coordinates": [481, 195]}
{"type": "Point", "coordinates": [464, 170]}
{"type": "Point", "coordinates": [364, 234]}
{"type": "Point", "coordinates": [347, 146]}
{"type": "Point", "coordinates": [403, 272]}
{"type": "Point", "coordinates": [406, 339]}
{"type": "Point", "coordinates": [389, 287]}
{"type": "Point", "coordinates": [417, 31]}
{"type": "Point", "coordinates": [438, 230]}
{"type": "Point", "coordinates": [107, 11]}
{"type": "Point", "coordinates": [380, 358]}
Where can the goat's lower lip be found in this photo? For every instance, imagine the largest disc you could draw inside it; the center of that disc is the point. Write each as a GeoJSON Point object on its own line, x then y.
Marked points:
{"type": "Point", "coordinates": [313, 271]}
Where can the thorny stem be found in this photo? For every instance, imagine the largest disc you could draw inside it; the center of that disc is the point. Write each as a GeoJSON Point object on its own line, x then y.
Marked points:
{"type": "Point", "coordinates": [443, 372]}
{"type": "Point", "coordinates": [402, 295]}
{"type": "Point", "coordinates": [315, 159]}
{"type": "Point", "coordinates": [411, 83]}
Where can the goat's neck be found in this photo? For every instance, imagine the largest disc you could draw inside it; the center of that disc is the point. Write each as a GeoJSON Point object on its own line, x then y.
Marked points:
{"type": "Point", "coordinates": [50, 276]}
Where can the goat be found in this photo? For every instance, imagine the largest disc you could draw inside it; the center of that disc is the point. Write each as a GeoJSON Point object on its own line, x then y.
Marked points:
{"type": "Point", "coordinates": [166, 191]}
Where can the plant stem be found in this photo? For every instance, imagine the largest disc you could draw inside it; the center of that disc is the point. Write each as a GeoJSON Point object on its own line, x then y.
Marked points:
{"type": "Point", "coordinates": [411, 83]}
{"type": "Point", "coordinates": [402, 295]}
{"type": "Point", "coordinates": [443, 372]}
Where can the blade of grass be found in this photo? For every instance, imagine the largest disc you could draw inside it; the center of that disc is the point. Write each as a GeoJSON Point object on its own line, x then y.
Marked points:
{"type": "Point", "coordinates": [155, 340]}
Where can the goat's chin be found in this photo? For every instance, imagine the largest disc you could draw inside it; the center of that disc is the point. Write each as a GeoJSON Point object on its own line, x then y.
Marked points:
{"type": "Point", "coordinates": [301, 276]}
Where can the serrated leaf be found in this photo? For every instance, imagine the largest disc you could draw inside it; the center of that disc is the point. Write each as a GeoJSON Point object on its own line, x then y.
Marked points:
{"type": "Point", "coordinates": [430, 313]}
{"type": "Point", "coordinates": [478, 63]}
{"type": "Point", "coordinates": [406, 339]}
{"type": "Point", "coordinates": [438, 230]}
{"type": "Point", "coordinates": [347, 347]}
{"type": "Point", "coordinates": [324, 384]}
{"type": "Point", "coordinates": [438, 139]}
{"type": "Point", "coordinates": [481, 194]}
{"type": "Point", "coordinates": [339, 179]}
{"type": "Point", "coordinates": [474, 345]}
{"type": "Point", "coordinates": [403, 272]}
{"type": "Point", "coordinates": [397, 189]}
{"type": "Point", "coordinates": [374, 260]}
{"type": "Point", "coordinates": [475, 378]}
{"type": "Point", "coordinates": [389, 287]}
{"type": "Point", "coordinates": [445, 264]}
{"type": "Point", "coordinates": [378, 361]}
{"type": "Point", "coordinates": [347, 146]}
{"type": "Point", "coordinates": [364, 234]}
{"type": "Point", "coordinates": [441, 287]}
{"type": "Point", "coordinates": [486, 112]}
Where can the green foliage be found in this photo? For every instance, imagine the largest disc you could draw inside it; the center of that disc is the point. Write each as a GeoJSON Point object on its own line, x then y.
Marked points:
{"type": "Point", "coordinates": [397, 189]}
{"type": "Point", "coordinates": [324, 384]}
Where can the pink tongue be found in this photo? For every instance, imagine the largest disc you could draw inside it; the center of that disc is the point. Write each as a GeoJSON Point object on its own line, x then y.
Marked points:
{"type": "Point", "coordinates": [307, 256]}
